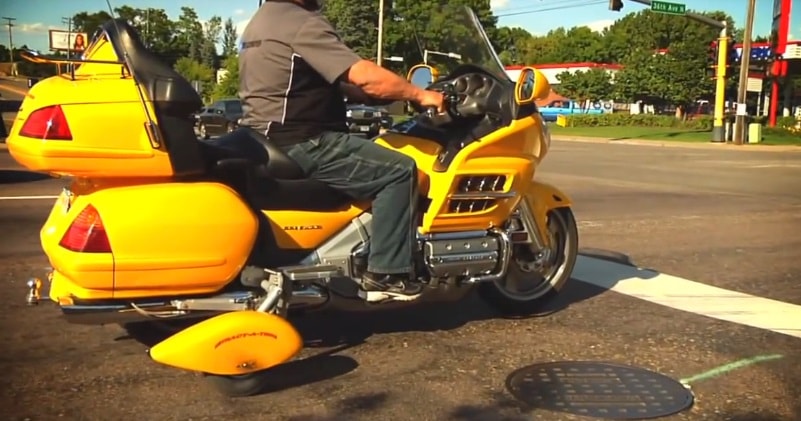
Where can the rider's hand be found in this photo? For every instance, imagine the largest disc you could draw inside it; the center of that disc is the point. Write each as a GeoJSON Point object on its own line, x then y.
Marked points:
{"type": "Point", "coordinates": [432, 99]}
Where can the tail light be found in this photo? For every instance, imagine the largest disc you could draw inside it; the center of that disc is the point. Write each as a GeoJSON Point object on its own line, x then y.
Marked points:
{"type": "Point", "coordinates": [86, 234]}
{"type": "Point", "coordinates": [47, 123]}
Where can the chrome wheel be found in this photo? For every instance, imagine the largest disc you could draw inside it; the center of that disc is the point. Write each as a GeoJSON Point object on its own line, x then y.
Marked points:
{"type": "Point", "coordinates": [535, 278]}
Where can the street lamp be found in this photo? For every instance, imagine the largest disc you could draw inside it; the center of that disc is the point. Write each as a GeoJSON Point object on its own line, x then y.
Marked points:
{"type": "Point", "coordinates": [394, 58]}
{"type": "Point", "coordinates": [439, 53]}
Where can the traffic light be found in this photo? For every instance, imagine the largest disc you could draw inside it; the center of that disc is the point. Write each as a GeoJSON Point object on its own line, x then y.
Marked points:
{"type": "Point", "coordinates": [615, 5]}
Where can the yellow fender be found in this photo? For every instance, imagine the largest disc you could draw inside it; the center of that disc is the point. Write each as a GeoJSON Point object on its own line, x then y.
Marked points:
{"type": "Point", "coordinates": [232, 343]}
{"type": "Point", "coordinates": [543, 198]}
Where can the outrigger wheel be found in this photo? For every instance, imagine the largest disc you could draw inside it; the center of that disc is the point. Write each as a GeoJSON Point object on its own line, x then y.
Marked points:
{"type": "Point", "coordinates": [235, 350]}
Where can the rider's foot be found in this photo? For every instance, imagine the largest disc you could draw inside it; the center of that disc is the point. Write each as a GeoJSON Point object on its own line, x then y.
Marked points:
{"type": "Point", "coordinates": [380, 287]}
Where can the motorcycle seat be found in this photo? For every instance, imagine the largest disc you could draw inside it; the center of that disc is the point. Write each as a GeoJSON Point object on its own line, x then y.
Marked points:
{"type": "Point", "coordinates": [280, 182]}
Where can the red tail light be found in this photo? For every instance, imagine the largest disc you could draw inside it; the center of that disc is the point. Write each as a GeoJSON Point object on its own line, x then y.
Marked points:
{"type": "Point", "coordinates": [47, 123]}
{"type": "Point", "coordinates": [86, 233]}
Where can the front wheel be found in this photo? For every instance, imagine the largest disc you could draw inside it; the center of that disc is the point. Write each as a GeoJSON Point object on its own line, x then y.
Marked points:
{"type": "Point", "coordinates": [530, 284]}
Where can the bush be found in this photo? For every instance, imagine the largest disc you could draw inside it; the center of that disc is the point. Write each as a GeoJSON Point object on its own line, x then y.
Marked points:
{"type": "Point", "coordinates": [786, 122]}
{"type": "Point", "coordinates": [641, 120]}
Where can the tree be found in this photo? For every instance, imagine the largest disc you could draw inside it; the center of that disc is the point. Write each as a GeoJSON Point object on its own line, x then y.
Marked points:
{"type": "Point", "coordinates": [229, 85]}
{"type": "Point", "coordinates": [90, 22]}
{"type": "Point", "coordinates": [193, 70]}
{"type": "Point", "coordinates": [510, 43]}
{"type": "Point", "coordinates": [189, 33]}
{"type": "Point", "coordinates": [229, 37]}
{"type": "Point", "coordinates": [212, 30]}
{"type": "Point", "coordinates": [594, 84]}
{"type": "Point", "coordinates": [640, 76]}
{"type": "Point", "coordinates": [356, 22]}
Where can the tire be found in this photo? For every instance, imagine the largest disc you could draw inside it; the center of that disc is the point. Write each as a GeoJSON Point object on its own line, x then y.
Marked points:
{"type": "Point", "coordinates": [203, 133]}
{"type": "Point", "coordinates": [239, 386]}
{"type": "Point", "coordinates": [564, 234]}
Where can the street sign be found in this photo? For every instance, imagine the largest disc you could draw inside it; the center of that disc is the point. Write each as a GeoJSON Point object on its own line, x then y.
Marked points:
{"type": "Point", "coordinates": [668, 8]}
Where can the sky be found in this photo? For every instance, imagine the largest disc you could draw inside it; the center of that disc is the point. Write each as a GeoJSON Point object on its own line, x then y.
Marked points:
{"type": "Point", "coordinates": [35, 17]}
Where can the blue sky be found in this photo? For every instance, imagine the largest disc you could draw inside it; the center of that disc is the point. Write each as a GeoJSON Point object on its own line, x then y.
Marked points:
{"type": "Point", "coordinates": [35, 17]}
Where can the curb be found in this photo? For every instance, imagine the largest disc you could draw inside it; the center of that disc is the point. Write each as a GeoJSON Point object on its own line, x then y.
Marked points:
{"type": "Point", "coordinates": [688, 145]}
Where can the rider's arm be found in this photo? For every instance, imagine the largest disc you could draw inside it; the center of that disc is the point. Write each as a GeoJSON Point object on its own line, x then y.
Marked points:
{"type": "Point", "coordinates": [356, 95]}
{"type": "Point", "coordinates": [319, 45]}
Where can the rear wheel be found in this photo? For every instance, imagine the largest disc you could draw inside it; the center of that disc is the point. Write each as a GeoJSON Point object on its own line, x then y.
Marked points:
{"type": "Point", "coordinates": [530, 284]}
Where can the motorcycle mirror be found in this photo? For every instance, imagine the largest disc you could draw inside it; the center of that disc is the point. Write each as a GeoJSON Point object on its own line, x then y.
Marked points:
{"type": "Point", "coordinates": [422, 75]}
{"type": "Point", "coordinates": [532, 85]}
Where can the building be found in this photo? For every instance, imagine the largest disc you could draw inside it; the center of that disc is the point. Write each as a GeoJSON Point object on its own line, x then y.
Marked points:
{"type": "Point", "coordinates": [786, 63]}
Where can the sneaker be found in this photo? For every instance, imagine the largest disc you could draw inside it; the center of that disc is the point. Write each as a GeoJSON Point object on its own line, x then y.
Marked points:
{"type": "Point", "coordinates": [377, 287]}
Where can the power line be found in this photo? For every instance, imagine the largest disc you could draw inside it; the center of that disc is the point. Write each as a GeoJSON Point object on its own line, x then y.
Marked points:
{"type": "Point", "coordinates": [538, 4]}
{"type": "Point", "coordinates": [547, 9]}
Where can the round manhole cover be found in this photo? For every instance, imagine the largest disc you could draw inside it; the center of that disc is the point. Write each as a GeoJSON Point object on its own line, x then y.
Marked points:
{"type": "Point", "coordinates": [600, 390]}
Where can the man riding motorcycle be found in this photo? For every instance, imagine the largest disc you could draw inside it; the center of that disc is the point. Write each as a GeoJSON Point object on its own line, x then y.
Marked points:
{"type": "Point", "coordinates": [294, 71]}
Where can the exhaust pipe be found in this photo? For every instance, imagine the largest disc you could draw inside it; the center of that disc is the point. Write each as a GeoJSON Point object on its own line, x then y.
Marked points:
{"type": "Point", "coordinates": [305, 297]}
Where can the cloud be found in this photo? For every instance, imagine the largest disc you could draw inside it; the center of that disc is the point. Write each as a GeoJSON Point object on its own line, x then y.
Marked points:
{"type": "Point", "coordinates": [37, 27]}
{"type": "Point", "coordinates": [239, 12]}
{"type": "Point", "coordinates": [498, 4]}
{"type": "Point", "coordinates": [599, 25]}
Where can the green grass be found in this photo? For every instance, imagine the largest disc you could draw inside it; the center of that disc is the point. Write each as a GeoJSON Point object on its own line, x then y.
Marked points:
{"type": "Point", "coordinates": [769, 136]}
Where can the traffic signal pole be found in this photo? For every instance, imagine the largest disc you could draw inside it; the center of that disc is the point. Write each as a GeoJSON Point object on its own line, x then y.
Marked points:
{"type": "Point", "coordinates": [718, 126]}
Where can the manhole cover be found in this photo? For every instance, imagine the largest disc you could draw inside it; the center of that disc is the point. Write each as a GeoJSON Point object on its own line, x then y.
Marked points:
{"type": "Point", "coordinates": [599, 390]}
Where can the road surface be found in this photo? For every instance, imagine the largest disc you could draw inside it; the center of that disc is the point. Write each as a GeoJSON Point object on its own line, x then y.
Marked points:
{"type": "Point", "coordinates": [728, 219]}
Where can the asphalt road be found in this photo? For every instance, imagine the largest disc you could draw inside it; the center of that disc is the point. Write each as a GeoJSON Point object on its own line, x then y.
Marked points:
{"type": "Point", "coordinates": [725, 218]}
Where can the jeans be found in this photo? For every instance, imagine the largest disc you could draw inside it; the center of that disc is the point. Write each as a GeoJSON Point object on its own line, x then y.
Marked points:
{"type": "Point", "coordinates": [366, 171]}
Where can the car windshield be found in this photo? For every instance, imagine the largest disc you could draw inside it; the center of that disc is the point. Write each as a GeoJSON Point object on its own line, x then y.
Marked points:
{"type": "Point", "coordinates": [464, 42]}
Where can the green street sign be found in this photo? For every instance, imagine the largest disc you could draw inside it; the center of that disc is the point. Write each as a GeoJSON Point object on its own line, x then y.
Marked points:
{"type": "Point", "coordinates": [668, 8]}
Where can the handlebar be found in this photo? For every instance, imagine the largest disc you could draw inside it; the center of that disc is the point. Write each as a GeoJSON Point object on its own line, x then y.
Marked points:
{"type": "Point", "coordinates": [432, 117]}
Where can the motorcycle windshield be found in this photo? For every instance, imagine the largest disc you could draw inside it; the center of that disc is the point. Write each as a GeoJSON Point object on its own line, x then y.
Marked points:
{"type": "Point", "coordinates": [464, 42]}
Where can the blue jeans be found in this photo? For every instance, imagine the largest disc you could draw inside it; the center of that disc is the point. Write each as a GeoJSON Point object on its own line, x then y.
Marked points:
{"type": "Point", "coordinates": [366, 171]}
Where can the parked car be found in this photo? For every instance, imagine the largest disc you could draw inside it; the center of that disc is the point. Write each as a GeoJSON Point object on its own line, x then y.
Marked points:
{"type": "Point", "coordinates": [553, 109]}
{"type": "Point", "coordinates": [221, 117]}
{"type": "Point", "coordinates": [367, 120]}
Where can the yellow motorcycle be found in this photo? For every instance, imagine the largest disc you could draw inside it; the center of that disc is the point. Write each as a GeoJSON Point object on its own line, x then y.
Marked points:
{"type": "Point", "coordinates": [156, 225]}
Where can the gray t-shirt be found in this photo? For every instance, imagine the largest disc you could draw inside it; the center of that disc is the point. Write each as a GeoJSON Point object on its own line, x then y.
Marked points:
{"type": "Point", "coordinates": [290, 62]}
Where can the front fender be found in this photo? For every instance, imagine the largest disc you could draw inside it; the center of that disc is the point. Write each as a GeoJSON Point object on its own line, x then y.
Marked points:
{"type": "Point", "coordinates": [542, 198]}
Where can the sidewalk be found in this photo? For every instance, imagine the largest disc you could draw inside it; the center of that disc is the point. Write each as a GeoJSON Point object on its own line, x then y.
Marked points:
{"type": "Point", "coordinates": [691, 145]}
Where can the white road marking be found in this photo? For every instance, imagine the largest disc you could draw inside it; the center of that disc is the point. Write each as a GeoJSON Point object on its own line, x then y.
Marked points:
{"type": "Point", "coordinates": [27, 197]}
{"type": "Point", "coordinates": [690, 296]}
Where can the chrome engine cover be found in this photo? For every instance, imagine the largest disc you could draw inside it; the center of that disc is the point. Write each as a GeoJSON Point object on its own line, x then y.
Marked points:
{"type": "Point", "coordinates": [462, 256]}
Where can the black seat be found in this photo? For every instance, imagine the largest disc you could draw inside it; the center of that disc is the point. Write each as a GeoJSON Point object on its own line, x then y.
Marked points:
{"type": "Point", "coordinates": [173, 97]}
{"type": "Point", "coordinates": [280, 182]}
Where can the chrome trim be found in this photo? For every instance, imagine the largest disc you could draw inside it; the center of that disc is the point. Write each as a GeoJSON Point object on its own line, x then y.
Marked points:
{"type": "Point", "coordinates": [530, 224]}
{"type": "Point", "coordinates": [310, 273]}
{"type": "Point", "coordinates": [505, 257]}
{"type": "Point", "coordinates": [488, 195]}
{"type": "Point", "coordinates": [458, 235]}
{"type": "Point", "coordinates": [108, 313]}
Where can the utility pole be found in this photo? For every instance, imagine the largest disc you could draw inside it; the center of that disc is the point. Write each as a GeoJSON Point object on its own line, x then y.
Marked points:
{"type": "Point", "coordinates": [745, 63]}
{"type": "Point", "coordinates": [718, 126]}
{"type": "Point", "coordinates": [380, 54]}
{"type": "Point", "coordinates": [68, 21]}
{"type": "Point", "coordinates": [10, 43]}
